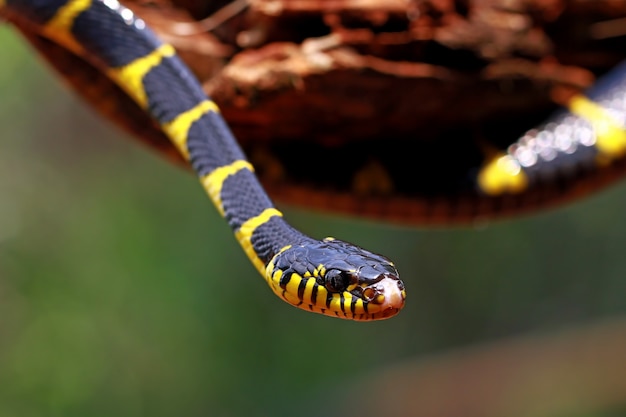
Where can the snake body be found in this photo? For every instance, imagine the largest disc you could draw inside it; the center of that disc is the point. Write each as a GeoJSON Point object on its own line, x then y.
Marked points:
{"type": "Point", "coordinates": [587, 137]}
{"type": "Point", "coordinates": [581, 148]}
{"type": "Point", "coordinates": [330, 276]}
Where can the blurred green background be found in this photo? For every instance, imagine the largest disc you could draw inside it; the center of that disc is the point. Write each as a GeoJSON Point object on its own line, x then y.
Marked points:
{"type": "Point", "coordinates": [123, 293]}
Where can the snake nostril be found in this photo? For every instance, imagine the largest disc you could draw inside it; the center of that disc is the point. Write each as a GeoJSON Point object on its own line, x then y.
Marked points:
{"type": "Point", "coordinates": [369, 294]}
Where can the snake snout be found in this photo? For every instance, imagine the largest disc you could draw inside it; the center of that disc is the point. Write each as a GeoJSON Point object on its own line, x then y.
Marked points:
{"type": "Point", "coordinates": [391, 293]}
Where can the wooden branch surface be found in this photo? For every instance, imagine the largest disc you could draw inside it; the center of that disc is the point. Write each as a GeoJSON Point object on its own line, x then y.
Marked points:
{"type": "Point", "coordinates": [338, 70]}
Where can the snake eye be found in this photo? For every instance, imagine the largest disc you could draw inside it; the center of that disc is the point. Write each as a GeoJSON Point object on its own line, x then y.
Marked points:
{"type": "Point", "coordinates": [336, 280]}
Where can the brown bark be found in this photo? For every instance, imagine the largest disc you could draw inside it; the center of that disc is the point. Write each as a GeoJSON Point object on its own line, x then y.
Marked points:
{"type": "Point", "coordinates": [337, 70]}
{"type": "Point", "coordinates": [418, 93]}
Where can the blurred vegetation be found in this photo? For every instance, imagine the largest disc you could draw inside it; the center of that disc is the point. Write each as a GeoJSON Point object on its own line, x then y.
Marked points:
{"type": "Point", "coordinates": [123, 293]}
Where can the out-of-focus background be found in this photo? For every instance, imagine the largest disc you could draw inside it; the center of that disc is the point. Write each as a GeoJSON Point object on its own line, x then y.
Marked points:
{"type": "Point", "coordinates": [123, 293]}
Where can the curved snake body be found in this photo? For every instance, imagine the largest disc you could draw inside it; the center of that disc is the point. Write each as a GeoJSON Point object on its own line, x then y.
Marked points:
{"type": "Point", "coordinates": [329, 276]}
{"type": "Point", "coordinates": [580, 148]}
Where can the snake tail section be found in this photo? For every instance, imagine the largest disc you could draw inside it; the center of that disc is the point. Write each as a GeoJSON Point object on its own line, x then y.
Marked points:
{"type": "Point", "coordinates": [586, 136]}
{"type": "Point", "coordinates": [330, 276]}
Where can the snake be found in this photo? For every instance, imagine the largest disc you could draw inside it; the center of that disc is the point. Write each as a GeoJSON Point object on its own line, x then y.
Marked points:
{"type": "Point", "coordinates": [327, 276]}
{"type": "Point", "coordinates": [578, 149]}
{"type": "Point", "coordinates": [588, 136]}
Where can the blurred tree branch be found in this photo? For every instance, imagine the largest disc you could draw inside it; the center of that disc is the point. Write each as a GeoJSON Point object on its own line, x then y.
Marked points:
{"type": "Point", "coordinates": [319, 69]}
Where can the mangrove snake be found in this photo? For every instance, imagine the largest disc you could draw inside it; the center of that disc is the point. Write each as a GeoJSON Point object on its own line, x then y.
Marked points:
{"type": "Point", "coordinates": [574, 151]}
{"type": "Point", "coordinates": [331, 277]}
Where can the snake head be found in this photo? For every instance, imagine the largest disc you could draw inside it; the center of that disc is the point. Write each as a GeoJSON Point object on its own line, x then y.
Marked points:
{"type": "Point", "coordinates": [336, 278]}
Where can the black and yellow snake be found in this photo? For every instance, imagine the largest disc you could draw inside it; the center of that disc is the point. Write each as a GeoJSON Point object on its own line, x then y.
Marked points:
{"type": "Point", "coordinates": [331, 277]}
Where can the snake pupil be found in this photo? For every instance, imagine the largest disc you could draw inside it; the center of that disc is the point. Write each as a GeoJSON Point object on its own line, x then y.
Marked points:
{"type": "Point", "coordinates": [336, 280]}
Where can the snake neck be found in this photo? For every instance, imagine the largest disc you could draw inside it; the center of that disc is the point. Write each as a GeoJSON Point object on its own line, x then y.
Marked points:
{"type": "Point", "coordinates": [264, 235]}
